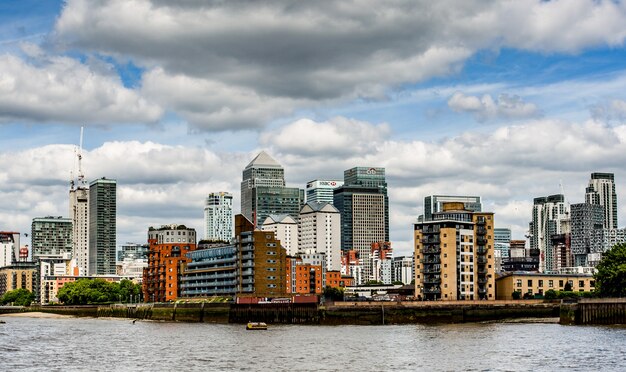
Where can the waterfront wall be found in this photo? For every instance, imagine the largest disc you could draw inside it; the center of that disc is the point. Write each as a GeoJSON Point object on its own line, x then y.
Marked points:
{"type": "Point", "coordinates": [364, 313]}
{"type": "Point", "coordinates": [594, 311]}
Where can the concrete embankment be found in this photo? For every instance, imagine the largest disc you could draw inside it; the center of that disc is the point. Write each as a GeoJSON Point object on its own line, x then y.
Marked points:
{"type": "Point", "coordinates": [594, 311]}
{"type": "Point", "coordinates": [357, 313]}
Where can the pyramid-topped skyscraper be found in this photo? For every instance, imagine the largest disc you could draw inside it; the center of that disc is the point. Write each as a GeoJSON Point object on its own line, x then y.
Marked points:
{"type": "Point", "coordinates": [263, 190]}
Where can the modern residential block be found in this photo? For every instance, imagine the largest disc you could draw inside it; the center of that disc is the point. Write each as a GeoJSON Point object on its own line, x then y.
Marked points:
{"type": "Point", "coordinates": [102, 227]}
{"type": "Point", "coordinates": [218, 217]}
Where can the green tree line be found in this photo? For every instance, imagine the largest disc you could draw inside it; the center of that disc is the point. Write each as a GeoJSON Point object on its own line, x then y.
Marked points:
{"type": "Point", "coordinates": [18, 297]}
{"type": "Point", "coordinates": [97, 291]}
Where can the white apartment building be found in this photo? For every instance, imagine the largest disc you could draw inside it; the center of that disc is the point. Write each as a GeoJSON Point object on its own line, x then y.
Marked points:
{"type": "Point", "coordinates": [218, 216]}
{"type": "Point", "coordinates": [319, 231]}
{"type": "Point", "coordinates": [285, 229]}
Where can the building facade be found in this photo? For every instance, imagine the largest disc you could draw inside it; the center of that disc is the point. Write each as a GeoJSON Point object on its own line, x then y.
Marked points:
{"type": "Point", "coordinates": [218, 217]}
{"type": "Point", "coordinates": [51, 236]}
{"type": "Point", "coordinates": [321, 191]}
{"type": "Point", "coordinates": [539, 283]}
{"type": "Point", "coordinates": [403, 267]}
{"type": "Point", "coordinates": [454, 255]}
{"type": "Point", "coordinates": [364, 207]}
{"type": "Point", "coordinates": [263, 191]}
{"type": "Point", "coordinates": [285, 229]}
{"type": "Point", "coordinates": [79, 214]}
{"type": "Point", "coordinates": [18, 275]}
{"type": "Point", "coordinates": [8, 242]}
{"type": "Point", "coordinates": [601, 191]}
{"type": "Point", "coordinates": [169, 248]}
{"type": "Point", "coordinates": [102, 227]}
{"type": "Point", "coordinates": [319, 228]}
{"type": "Point", "coordinates": [548, 214]}
{"type": "Point", "coordinates": [587, 221]}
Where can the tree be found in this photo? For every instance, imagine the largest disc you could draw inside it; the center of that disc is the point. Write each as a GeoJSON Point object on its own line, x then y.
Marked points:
{"type": "Point", "coordinates": [18, 297]}
{"type": "Point", "coordinates": [567, 287]}
{"type": "Point", "coordinates": [516, 295]}
{"type": "Point", "coordinates": [333, 293]}
{"type": "Point", "coordinates": [94, 291]}
{"type": "Point", "coordinates": [611, 272]}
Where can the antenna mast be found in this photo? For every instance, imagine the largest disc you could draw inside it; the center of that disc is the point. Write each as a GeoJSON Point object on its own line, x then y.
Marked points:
{"type": "Point", "coordinates": [81, 176]}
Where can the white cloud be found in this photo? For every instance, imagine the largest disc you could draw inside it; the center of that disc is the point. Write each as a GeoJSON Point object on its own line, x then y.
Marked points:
{"type": "Point", "coordinates": [485, 108]}
{"type": "Point", "coordinates": [61, 89]}
{"type": "Point", "coordinates": [250, 63]}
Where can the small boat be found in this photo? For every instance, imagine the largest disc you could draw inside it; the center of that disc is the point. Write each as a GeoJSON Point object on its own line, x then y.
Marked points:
{"type": "Point", "coordinates": [256, 325]}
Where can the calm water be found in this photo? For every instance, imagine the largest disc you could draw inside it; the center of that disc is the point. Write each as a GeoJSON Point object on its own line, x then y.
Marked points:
{"type": "Point", "coordinates": [87, 344]}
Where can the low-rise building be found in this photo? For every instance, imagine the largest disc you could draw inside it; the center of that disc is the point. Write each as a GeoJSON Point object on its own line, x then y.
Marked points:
{"type": "Point", "coordinates": [18, 275]}
{"type": "Point", "coordinates": [540, 283]}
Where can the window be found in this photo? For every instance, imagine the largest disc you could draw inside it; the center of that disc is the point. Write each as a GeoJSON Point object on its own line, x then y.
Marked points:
{"type": "Point", "coordinates": [581, 283]}
{"type": "Point", "coordinates": [551, 283]}
{"type": "Point", "coordinates": [519, 283]}
{"type": "Point", "coordinates": [530, 282]}
{"type": "Point", "coordinates": [540, 283]}
{"type": "Point", "coordinates": [560, 283]}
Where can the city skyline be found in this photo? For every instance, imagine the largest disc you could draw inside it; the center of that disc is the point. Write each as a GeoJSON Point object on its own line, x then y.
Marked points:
{"type": "Point", "coordinates": [509, 111]}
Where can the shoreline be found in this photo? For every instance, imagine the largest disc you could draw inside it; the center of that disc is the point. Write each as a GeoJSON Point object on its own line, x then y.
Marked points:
{"type": "Point", "coordinates": [36, 314]}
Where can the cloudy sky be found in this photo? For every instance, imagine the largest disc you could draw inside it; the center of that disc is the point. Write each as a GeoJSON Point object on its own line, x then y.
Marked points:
{"type": "Point", "coordinates": [508, 100]}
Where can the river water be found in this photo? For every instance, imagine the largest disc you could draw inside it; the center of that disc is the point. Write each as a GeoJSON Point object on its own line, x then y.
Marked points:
{"type": "Point", "coordinates": [90, 344]}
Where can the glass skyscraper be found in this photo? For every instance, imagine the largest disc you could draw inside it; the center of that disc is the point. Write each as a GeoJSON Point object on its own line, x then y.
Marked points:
{"type": "Point", "coordinates": [102, 226]}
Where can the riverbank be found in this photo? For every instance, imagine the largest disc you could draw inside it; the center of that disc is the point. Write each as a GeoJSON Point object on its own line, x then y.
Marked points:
{"type": "Point", "coordinates": [35, 314]}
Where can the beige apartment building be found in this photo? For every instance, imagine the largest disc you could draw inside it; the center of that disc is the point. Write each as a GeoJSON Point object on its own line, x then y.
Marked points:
{"type": "Point", "coordinates": [454, 253]}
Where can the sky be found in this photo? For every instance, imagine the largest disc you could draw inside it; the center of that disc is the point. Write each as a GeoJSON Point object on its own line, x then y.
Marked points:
{"type": "Point", "coordinates": [507, 100]}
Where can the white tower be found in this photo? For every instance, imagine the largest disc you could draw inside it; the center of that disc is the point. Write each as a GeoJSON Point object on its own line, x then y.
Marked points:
{"type": "Point", "coordinates": [79, 213]}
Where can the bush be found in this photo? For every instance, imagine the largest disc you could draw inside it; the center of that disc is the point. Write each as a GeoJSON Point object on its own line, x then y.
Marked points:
{"type": "Point", "coordinates": [550, 294]}
{"type": "Point", "coordinates": [516, 295]}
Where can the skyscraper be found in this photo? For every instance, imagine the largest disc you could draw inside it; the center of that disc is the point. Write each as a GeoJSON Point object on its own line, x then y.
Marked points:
{"type": "Point", "coordinates": [263, 191]}
{"type": "Point", "coordinates": [434, 203]}
{"type": "Point", "coordinates": [364, 207]}
{"type": "Point", "coordinates": [548, 213]}
{"type": "Point", "coordinates": [587, 232]}
{"type": "Point", "coordinates": [218, 216]}
{"type": "Point", "coordinates": [321, 191]}
{"type": "Point", "coordinates": [102, 226]}
{"type": "Point", "coordinates": [79, 214]}
{"type": "Point", "coordinates": [601, 190]}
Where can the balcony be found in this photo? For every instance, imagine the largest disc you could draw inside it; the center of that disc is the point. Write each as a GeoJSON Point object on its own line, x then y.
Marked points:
{"type": "Point", "coordinates": [482, 280]}
{"type": "Point", "coordinates": [431, 250]}
{"type": "Point", "coordinates": [481, 250]}
{"type": "Point", "coordinates": [431, 260]}
{"type": "Point", "coordinates": [481, 260]}
{"type": "Point", "coordinates": [433, 279]}
{"type": "Point", "coordinates": [431, 240]}
{"type": "Point", "coordinates": [481, 241]}
{"type": "Point", "coordinates": [432, 290]}
{"type": "Point", "coordinates": [481, 230]}
{"type": "Point", "coordinates": [432, 269]}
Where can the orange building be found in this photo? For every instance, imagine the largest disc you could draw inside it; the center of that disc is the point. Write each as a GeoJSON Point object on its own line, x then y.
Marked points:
{"type": "Point", "coordinates": [335, 279]}
{"type": "Point", "coordinates": [304, 278]}
{"type": "Point", "coordinates": [169, 246]}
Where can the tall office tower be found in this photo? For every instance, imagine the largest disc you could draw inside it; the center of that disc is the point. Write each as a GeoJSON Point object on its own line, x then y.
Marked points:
{"type": "Point", "coordinates": [102, 226]}
{"type": "Point", "coordinates": [169, 249]}
{"type": "Point", "coordinates": [218, 216]}
{"type": "Point", "coordinates": [548, 212]}
{"type": "Point", "coordinates": [319, 228]}
{"type": "Point", "coordinates": [321, 191]}
{"type": "Point", "coordinates": [502, 241]}
{"type": "Point", "coordinates": [454, 255]}
{"type": "Point", "coordinates": [79, 214]}
{"type": "Point", "coordinates": [587, 232]}
{"type": "Point", "coordinates": [601, 190]}
{"type": "Point", "coordinates": [434, 203]}
{"type": "Point", "coordinates": [285, 230]}
{"type": "Point", "coordinates": [51, 236]}
{"type": "Point", "coordinates": [364, 207]}
{"type": "Point", "coordinates": [263, 191]}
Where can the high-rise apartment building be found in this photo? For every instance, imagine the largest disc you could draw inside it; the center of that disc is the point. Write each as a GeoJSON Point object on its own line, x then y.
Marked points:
{"type": "Point", "coordinates": [321, 191]}
{"type": "Point", "coordinates": [403, 269]}
{"type": "Point", "coordinates": [8, 241]}
{"type": "Point", "coordinates": [434, 204]}
{"type": "Point", "coordinates": [263, 191]}
{"type": "Point", "coordinates": [601, 190]}
{"type": "Point", "coordinates": [364, 207]}
{"type": "Point", "coordinates": [502, 240]}
{"type": "Point", "coordinates": [454, 255]}
{"type": "Point", "coordinates": [102, 227]}
{"type": "Point", "coordinates": [381, 257]}
{"type": "Point", "coordinates": [320, 232]}
{"type": "Point", "coordinates": [51, 236]}
{"type": "Point", "coordinates": [285, 229]}
{"type": "Point", "coordinates": [548, 214]}
{"type": "Point", "coordinates": [79, 214]}
{"type": "Point", "coordinates": [218, 217]}
{"type": "Point", "coordinates": [587, 221]}
{"type": "Point", "coordinates": [169, 246]}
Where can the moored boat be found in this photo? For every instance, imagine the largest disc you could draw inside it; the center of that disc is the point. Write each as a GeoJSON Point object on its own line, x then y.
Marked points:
{"type": "Point", "coordinates": [256, 326]}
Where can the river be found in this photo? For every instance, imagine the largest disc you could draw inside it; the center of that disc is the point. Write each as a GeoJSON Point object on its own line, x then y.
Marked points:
{"type": "Point", "coordinates": [91, 344]}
